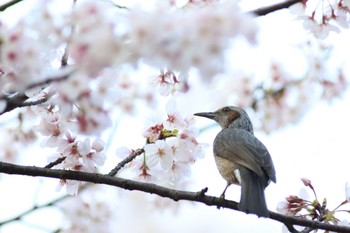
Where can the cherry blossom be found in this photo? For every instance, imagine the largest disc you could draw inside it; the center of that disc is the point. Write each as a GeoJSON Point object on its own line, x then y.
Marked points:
{"type": "Point", "coordinates": [159, 151]}
{"type": "Point", "coordinates": [87, 214]}
{"type": "Point", "coordinates": [27, 53]}
{"type": "Point", "coordinates": [322, 17]}
{"type": "Point", "coordinates": [90, 154]}
{"type": "Point", "coordinates": [123, 152]}
{"type": "Point", "coordinates": [347, 192]}
{"type": "Point", "coordinates": [284, 207]}
{"type": "Point", "coordinates": [13, 140]}
{"type": "Point", "coordinates": [174, 118]}
{"type": "Point", "coordinates": [51, 126]}
{"type": "Point", "coordinates": [92, 23]}
{"type": "Point", "coordinates": [171, 148]}
{"type": "Point", "coordinates": [168, 83]}
{"type": "Point", "coordinates": [71, 186]}
{"type": "Point", "coordinates": [184, 38]}
{"type": "Point", "coordinates": [78, 155]}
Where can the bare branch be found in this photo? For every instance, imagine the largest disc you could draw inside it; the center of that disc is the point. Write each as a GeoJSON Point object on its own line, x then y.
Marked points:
{"type": "Point", "coordinates": [20, 100]}
{"type": "Point", "coordinates": [35, 102]}
{"type": "Point", "coordinates": [49, 80]}
{"type": "Point", "coordinates": [127, 160]}
{"type": "Point", "coordinates": [173, 194]}
{"type": "Point", "coordinates": [14, 101]}
{"type": "Point", "coordinates": [64, 59]}
{"type": "Point", "coordinates": [9, 4]}
{"type": "Point", "coordinates": [56, 162]}
{"type": "Point", "coordinates": [269, 9]}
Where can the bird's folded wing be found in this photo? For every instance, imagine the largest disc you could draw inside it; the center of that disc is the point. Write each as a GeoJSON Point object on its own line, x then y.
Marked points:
{"type": "Point", "coordinates": [242, 147]}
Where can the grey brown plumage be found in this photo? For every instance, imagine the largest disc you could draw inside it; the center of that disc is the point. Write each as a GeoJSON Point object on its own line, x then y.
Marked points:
{"type": "Point", "coordinates": [242, 159]}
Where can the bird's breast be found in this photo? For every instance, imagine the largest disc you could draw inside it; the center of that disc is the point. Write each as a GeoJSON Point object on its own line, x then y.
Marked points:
{"type": "Point", "coordinates": [227, 169]}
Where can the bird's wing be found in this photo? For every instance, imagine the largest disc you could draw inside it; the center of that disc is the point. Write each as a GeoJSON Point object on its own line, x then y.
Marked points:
{"type": "Point", "coordinates": [242, 147]}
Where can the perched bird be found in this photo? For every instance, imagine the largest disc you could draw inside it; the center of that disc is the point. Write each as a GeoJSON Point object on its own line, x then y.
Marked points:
{"type": "Point", "coordinates": [241, 158]}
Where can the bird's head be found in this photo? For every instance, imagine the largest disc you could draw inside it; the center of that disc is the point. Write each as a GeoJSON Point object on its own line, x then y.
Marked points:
{"type": "Point", "coordinates": [229, 116]}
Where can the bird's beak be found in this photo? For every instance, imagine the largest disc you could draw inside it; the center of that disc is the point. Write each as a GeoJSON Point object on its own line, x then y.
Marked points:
{"type": "Point", "coordinates": [210, 115]}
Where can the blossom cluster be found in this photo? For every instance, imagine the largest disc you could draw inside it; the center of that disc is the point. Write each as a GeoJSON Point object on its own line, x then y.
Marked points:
{"type": "Point", "coordinates": [14, 138]}
{"type": "Point", "coordinates": [169, 83]}
{"type": "Point", "coordinates": [171, 148]}
{"type": "Point", "coordinates": [182, 39]}
{"type": "Point", "coordinates": [323, 17]}
{"type": "Point", "coordinates": [300, 207]}
{"type": "Point", "coordinates": [86, 214]}
{"type": "Point", "coordinates": [29, 49]}
{"type": "Point", "coordinates": [98, 36]}
{"type": "Point", "coordinates": [281, 98]}
{"type": "Point", "coordinates": [77, 155]}
{"type": "Point", "coordinates": [100, 39]}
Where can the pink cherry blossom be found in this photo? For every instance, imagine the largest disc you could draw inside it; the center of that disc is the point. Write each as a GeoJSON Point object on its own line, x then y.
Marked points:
{"type": "Point", "coordinates": [347, 192]}
{"type": "Point", "coordinates": [174, 119]}
{"type": "Point", "coordinates": [159, 151]}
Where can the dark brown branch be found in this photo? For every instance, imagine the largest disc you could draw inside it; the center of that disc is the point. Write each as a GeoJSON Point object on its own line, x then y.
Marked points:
{"type": "Point", "coordinates": [56, 162]}
{"type": "Point", "coordinates": [64, 59]}
{"type": "Point", "coordinates": [19, 100]}
{"type": "Point", "coordinates": [120, 7]}
{"type": "Point", "coordinates": [14, 101]}
{"type": "Point", "coordinates": [279, 6]}
{"type": "Point", "coordinates": [175, 195]}
{"type": "Point", "coordinates": [127, 160]}
{"type": "Point", "coordinates": [9, 4]}
{"type": "Point", "coordinates": [35, 102]}
{"type": "Point", "coordinates": [50, 80]}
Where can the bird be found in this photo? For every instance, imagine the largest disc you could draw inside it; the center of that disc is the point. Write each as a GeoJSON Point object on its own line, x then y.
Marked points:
{"type": "Point", "coordinates": [242, 159]}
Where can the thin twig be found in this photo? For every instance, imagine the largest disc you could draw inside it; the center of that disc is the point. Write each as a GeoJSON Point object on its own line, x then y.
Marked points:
{"type": "Point", "coordinates": [9, 4]}
{"type": "Point", "coordinates": [269, 9]}
{"type": "Point", "coordinates": [49, 80]}
{"type": "Point", "coordinates": [13, 101]}
{"type": "Point", "coordinates": [64, 59]}
{"type": "Point", "coordinates": [20, 100]}
{"type": "Point", "coordinates": [35, 102]}
{"type": "Point", "coordinates": [125, 161]}
{"type": "Point", "coordinates": [56, 162]}
{"type": "Point", "coordinates": [119, 6]}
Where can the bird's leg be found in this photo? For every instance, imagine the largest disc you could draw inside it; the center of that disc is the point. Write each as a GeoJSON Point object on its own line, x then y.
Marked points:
{"type": "Point", "coordinates": [222, 196]}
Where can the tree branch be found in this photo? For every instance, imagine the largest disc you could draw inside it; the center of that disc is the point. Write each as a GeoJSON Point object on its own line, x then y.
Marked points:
{"type": "Point", "coordinates": [269, 9]}
{"type": "Point", "coordinates": [175, 195]}
{"type": "Point", "coordinates": [56, 162]}
{"type": "Point", "coordinates": [20, 100]}
{"type": "Point", "coordinates": [9, 4]}
{"type": "Point", "coordinates": [127, 160]}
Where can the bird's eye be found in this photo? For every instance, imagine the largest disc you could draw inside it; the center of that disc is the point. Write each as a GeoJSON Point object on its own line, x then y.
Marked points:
{"type": "Point", "coordinates": [226, 109]}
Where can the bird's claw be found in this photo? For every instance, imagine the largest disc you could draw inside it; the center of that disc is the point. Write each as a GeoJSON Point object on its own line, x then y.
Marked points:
{"type": "Point", "coordinates": [222, 199]}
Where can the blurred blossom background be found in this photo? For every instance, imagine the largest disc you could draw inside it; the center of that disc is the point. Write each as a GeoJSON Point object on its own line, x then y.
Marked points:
{"type": "Point", "coordinates": [105, 78]}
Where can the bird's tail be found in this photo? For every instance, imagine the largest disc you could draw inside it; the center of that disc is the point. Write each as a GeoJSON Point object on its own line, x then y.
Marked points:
{"type": "Point", "coordinates": [252, 194]}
